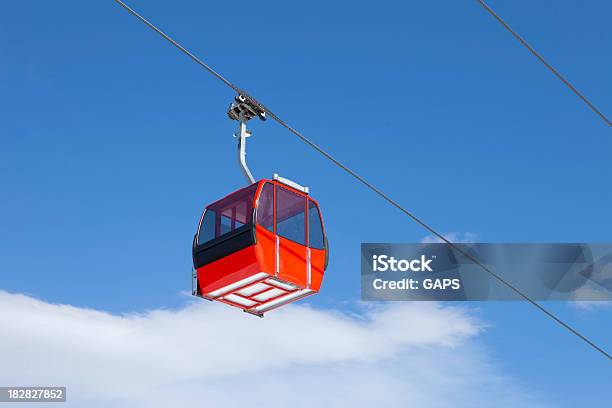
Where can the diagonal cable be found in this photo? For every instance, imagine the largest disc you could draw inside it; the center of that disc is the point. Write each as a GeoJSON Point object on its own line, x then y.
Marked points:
{"type": "Point", "coordinates": [366, 183]}
{"type": "Point", "coordinates": [546, 64]}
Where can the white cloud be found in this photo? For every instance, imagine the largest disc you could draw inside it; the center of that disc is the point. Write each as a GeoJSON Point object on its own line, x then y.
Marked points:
{"type": "Point", "coordinates": [455, 237]}
{"type": "Point", "coordinates": [206, 354]}
{"type": "Point", "coordinates": [590, 290]}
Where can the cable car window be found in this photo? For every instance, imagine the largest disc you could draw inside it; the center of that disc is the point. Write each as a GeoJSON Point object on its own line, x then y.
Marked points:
{"type": "Point", "coordinates": [290, 216]}
{"type": "Point", "coordinates": [315, 227]}
{"type": "Point", "coordinates": [234, 211]}
{"type": "Point", "coordinates": [207, 230]}
{"type": "Point", "coordinates": [265, 208]}
{"type": "Point", "coordinates": [225, 225]}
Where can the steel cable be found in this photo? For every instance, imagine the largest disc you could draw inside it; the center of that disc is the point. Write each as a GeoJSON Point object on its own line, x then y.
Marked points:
{"type": "Point", "coordinates": [546, 64]}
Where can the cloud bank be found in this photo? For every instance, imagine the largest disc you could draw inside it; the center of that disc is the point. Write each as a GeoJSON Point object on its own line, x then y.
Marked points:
{"type": "Point", "coordinates": [206, 354]}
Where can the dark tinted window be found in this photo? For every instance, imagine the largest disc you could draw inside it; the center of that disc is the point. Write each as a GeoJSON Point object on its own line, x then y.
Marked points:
{"type": "Point", "coordinates": [290, 215]}
{"type": "Point", "coordinates": [227, 214]}
{"type": "Point", "coordinates": [265, 208]}
{"type": "Point", "coordinates": [207, 230]}
{"type": "Point", "coordinates": [315, 227]}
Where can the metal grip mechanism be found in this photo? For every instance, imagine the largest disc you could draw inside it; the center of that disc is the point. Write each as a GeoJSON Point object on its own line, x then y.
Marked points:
{"type": "Point", "coordinates": [243, 110]}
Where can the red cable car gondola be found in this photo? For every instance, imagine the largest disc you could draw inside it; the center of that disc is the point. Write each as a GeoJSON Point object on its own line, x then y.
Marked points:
{"type": "Point", "coordinates": [260, 247]}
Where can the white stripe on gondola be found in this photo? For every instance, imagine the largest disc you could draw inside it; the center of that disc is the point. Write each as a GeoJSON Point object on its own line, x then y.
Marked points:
{"type": "Point", "coordinates": [239, 284]}
{"type": "Point", "coordinates": [282, 300]}
{"type": "Point", "coordinates": [267, 295]}
{"type": "Point", "coordinates": [239, 300]}
{"type": "Point", "coordinates": [252, 289]}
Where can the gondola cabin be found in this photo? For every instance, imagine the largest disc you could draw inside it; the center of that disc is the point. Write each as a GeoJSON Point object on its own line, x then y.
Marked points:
{"type": "Point", "coordinates": [261, 247]}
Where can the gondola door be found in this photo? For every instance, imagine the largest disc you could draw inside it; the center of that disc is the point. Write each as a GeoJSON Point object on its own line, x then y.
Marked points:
{"type": "Point", "coordinates": [291, 233]}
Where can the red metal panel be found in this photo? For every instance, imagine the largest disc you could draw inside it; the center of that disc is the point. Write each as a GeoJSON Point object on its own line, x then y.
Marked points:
{"type": "Point", "coordinates": [227, 270]}
{"type": "Point", "coordinates": [266, 249]}
{"type": "Point", "coordinates": [292, 262]}
{"type": "Point", "coordinates": [317, 268]}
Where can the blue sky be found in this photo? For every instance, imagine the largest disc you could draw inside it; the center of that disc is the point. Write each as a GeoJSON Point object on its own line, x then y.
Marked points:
{"type": "Point", "coordinates": [112, 142]}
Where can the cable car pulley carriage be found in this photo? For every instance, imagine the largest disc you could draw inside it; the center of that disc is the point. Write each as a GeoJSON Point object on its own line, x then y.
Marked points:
{"type": "Point", "coordinates": [263, 246]}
